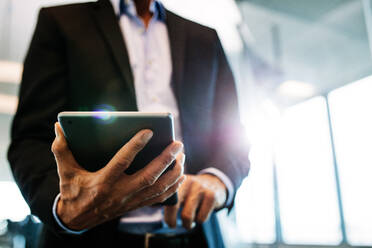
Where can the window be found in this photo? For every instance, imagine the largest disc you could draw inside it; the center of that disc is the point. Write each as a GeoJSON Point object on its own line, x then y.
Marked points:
{"type": "Point", "coordinates": [315, 145]}
{"type": "Point", "coordinates": [351, 116]}
{"type": "Point", "coordinates": [306, 183]}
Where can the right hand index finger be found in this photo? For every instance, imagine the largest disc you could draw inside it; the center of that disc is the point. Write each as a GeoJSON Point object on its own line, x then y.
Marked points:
{"type": "Point", "coordinates": [125, 156]}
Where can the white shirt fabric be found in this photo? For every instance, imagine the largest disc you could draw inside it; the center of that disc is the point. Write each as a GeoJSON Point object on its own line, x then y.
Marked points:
{"type": "Point", "coordinates": [150, 60]}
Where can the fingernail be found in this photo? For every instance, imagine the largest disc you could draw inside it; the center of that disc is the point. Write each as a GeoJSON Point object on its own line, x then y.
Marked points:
{"type": "Point", "coordinates": [147, 136]}
{"type": "Point", "coordinates": [176, 148]}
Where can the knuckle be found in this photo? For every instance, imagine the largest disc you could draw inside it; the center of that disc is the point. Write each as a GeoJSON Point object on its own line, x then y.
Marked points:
{"type": "Point", "coordinates": [78, 179]}
{"type": "Point", "coordinates": [53, 147]}
{"type": "Point", "coordinates": [137, 145]}
{"type": "Point", "coordinates": [147, 180]}
{"type": "Point", "coordinates": [98, 193]}
{"type": "Point", "coordinates": [58, 147]}
{"type": "Point", "coordinates": [160, 189]}
{"type": "Point", "coordinates": [108, 204]}
{"type": "Point", "coordinates": [210, 195]}
{"type": "Point", "coordinates": [68, 175]}
{"type": "Point", "coordinates": [178, 168]}
{"type": "Point", "coordinates": [196, 187]}
{"type": "Point", "coordinates": [123, 201]}
{"type": "Point", "coordinates": [94, 195]}
{"type": "Point", "coordinates": [167, 159]}
{"type": "Point", "coordinates": [162, 198]}
{"type": "Point", "coordinates": [191, 179]}
{"type": "Point", "coordinates": [181, 159]}
{"type": "Point", "coordinates": [123, 162]}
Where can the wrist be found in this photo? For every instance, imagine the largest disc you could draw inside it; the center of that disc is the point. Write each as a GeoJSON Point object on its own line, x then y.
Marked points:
{"type": "Point", "coordinates": [62, 214]}
{"type": "Point", "coordinates": [68, 218]}
{"type": "Point", "coordinates": [58, 220]}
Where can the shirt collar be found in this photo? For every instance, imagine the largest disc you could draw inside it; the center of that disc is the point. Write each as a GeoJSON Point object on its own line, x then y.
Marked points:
{"type": "Point", "coordinates": [127, 7]}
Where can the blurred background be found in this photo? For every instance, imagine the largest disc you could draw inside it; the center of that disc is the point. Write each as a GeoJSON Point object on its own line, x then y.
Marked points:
{"type": "Point", "coordinates": [304, 76]}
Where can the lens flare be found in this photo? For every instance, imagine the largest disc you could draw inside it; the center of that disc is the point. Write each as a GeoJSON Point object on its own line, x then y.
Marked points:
{"type": "Point", "coordinates": [103, 113]}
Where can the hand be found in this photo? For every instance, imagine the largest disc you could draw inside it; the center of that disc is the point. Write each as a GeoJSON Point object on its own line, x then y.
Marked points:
{"type": "Point", "coordinates": [91, 198]}
{"type": "Point", "coordinates": [199, 195]}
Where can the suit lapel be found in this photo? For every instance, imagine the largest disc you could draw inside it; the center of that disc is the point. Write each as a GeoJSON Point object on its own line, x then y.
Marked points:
{"type": "Point", "coordinates": [108, 25]}
{"type": "Point", "coordinates": [177, 41]}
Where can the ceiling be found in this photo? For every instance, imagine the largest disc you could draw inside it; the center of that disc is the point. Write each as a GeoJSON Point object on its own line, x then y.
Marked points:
{"type": "Point", "coordinates": [323, 43]}
{"type": "Point", "coordinates": [310, 10]}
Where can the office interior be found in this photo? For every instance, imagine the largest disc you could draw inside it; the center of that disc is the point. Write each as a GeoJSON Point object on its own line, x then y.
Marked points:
{"type": "Point", "coordinates": [304, 78]}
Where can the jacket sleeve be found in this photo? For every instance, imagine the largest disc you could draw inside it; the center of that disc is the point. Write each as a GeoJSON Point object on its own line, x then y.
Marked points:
{"type": "Point", "coordinates": [230, 147]}
{"type": "Point", "coordinates": [42, 95]}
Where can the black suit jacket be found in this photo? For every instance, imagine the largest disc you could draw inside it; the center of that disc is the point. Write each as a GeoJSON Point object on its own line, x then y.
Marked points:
{"type": "Point", "coordinates": [77, 60]}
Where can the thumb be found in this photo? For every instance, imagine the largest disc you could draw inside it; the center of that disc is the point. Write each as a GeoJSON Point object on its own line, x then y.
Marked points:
{"type": "Point", "coordinates": [66, 162]}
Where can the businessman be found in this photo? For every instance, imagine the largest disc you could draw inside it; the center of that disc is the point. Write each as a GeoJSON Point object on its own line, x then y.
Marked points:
{"type": "Point", "coordinates": [130, 56]}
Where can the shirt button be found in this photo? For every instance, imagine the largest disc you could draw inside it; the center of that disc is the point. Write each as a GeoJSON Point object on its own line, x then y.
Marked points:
{"type": "Point", "coordinates": [154, 99]}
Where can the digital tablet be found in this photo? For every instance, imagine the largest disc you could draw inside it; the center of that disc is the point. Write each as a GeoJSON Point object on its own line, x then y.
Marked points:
{"type": "Point", "coordinates": [95, 137]}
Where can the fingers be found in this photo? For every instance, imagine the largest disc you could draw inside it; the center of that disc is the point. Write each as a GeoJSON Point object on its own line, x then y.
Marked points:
{"type": "Point", "coordinates": [163, 197]}
{"type": "Point", "coordinates": [137, 203]}
{"type": "Point", "coordinates": [150, 174]}
{"type": "Point", "coordinates": [198, 207]}
{"type": "Point", "coordinates": [170, 212]}
{"type": "Point", "coordinates": [198, 199]}
{"type": "Point", "coordinates": [191, 204]}
{"type": "Point", "coordinates": [166, 181]}
{"type": "Point", "coordinates": [207, 206]}
{"type": "Point", "coordinates": [65, 160]}
{"type": "Point", "coordinates": [163, 188]}
{"type": "Point", "coordinates": [170, 215]}
{"type": "Point", "coordinates": [125, 156]}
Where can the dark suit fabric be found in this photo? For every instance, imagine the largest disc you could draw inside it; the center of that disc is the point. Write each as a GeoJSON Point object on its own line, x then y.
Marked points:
{"type": "Point", "coordinates": [77, 60]}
